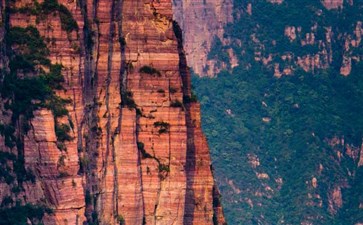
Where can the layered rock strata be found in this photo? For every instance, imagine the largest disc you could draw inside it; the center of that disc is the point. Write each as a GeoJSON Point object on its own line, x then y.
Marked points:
{"type": "Point", "coordinates": [135, 152]}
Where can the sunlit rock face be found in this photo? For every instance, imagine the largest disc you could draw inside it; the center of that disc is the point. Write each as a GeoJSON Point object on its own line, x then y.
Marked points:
{"type": "Point", "coordinates": [133, 149]}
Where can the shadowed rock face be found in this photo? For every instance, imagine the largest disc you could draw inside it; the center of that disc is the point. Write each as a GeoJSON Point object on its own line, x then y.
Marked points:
{"type": "Point", "coordinates": [135, 151]}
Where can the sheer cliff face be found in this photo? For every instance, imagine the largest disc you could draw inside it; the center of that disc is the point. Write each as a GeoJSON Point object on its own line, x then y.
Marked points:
{"type": "Point", "coordinates": [119, 139]}
{"type": "Point", "coordinates": [201, 22]}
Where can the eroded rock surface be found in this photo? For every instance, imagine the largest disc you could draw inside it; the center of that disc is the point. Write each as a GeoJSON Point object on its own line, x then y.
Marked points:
{"type": "Point", "coordinates": [134, 151]}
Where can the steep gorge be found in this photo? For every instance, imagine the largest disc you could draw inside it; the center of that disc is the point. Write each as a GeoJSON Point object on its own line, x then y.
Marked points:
{"type": "Point", "coordinates": [110, 132]}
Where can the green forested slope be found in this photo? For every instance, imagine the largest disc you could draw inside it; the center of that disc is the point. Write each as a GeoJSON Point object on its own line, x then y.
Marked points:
{"type": "Point", "coordinates": [285, 148]}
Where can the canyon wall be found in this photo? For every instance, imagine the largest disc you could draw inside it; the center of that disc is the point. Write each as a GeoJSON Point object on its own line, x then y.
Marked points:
{"type": "Point", "coordinates": [118, 140]}
{"type": "Point", "coordinates": [202, 22]}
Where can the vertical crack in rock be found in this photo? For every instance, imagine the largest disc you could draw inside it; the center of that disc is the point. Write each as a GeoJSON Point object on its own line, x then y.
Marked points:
{"type": "Point", "coordinates": [132, 153]}
{"type": "Point", "coordinates": [90, 111]}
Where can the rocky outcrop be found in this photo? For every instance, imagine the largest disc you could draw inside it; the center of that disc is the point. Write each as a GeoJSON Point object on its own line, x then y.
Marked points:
{"type": "Point", "coordinates": [130, 149]}
{"type": "Point", "coordinates": [332, 4]}
{"type": "Point", "coordinates": [201, 22]}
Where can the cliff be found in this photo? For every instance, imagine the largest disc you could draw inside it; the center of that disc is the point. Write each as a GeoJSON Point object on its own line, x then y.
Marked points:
{"type": "Point", "coordinates": [98, 122]}
{"type": "Point", "coordinates": [203, 21]}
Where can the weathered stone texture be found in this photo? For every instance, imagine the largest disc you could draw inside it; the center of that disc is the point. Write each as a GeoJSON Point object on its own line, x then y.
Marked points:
{"type": "Point", "coordinates": [119, 164]}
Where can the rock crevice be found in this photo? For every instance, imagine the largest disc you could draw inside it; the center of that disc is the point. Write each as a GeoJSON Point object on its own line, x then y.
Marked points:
{"type": "Point", "coordinates": [132, 148]}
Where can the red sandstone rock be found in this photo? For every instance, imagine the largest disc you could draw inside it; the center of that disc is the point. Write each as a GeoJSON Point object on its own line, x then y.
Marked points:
{"type": "Point", "coordinates": [102, 170]}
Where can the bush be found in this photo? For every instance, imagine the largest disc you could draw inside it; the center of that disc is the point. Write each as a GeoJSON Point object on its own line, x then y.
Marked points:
{"type": "Point", "coordinates": [55, 77]}
{"type": "Point", "coordinates": [161, 91]}
{"type": "Point", "coordinates": [30, 49]}
{"type": "Point", "coordinates": [190, 99]}
{"type": "Point", "coordinates": [172, 90]}
{"type": "Point", "coordinates": [5, 174]}
{"type": "Point", "coordinates": [176, 104]}
{"type": "Point", "coordinates": [149, 70]}
{"type": "Point", "coordinates": [163, 126]}
{"type": "Point", "coordinates": [128, 101]}
{"type": "Point", "coordinates": [61, 160]}
{"type": "Point", "coordinates": [120, 219]}
{"type": "Point", "coordinates": [141, 148]}
{"type": "Point", "coordinates": [163, 167]}
{"type": "Point", "coordinates": [50, 6]}
{"type": "Point", "coordinates": [62, 131]}
{"type": "Point", "coordinates": [57, 106]}
{"type": "Point", "coordinates": [122, 41]}
{"type": "Point", "coordinates": [67, 21]}
{"type": "Point", "coordinates": [20, 214]}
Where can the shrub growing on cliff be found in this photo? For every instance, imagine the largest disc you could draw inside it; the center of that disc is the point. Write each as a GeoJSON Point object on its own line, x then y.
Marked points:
{"type": "Point", "coordinates": [128, 101]}
{"type": "Point", "coordinates": [141, 148]}
{"type": "Point", "coordinates": [120, 219]}
{"type": "Point", "coordinates": [176, 104]}
{"type": "Point", "coordinates": [21, 214]}
{"type": "Point", "coordinates": [54, 78]}
{"type": "Point", "coordinates": [190, 99]}
{"type": "Point", "coordinates": [5, 174]}
{"type": "Point", "coordinates": [149, 70]}
{"type": "Point", "coordinates": [122, 41]}
{"type": "Point", "coordinates": [62, 132]}
{"type": "Point", "coordinates": [50, 6]}
{"type": "Point", "coordinates": [30, 49]}
{"type": "Point", "coordinates": [172, 90]}
{"type": "Point", "coordinates": [161, 91]}
{"type": "Point", "coordinates": [163, 126]}
{"type": "Point", "coordinates": [67, 21]}
{"type": "Point", "coordinates": [164, 168]}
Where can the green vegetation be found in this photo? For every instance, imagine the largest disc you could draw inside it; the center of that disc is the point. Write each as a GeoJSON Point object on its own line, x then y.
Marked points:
{"type": "Point", "coordinates": [190, 99]}
{"type": "Point", "coordinates": [306, 110]}
{"type": "Point", "coordinates": [164, 168]}
{"type": "Point", "coordinates": [26, 87]}
{"type": "Point", "coordinates": [61, 131]}
{"type": "Point", "coordinates": [32, 92]}
{"type": "Point", "coordinates": [128, 101]}
{"type": "Point", "coordinates": [144, 154]}
{"type": "Point", "coordinates": [67, 21]}
{"type": "Point", "coordinates": [31, 49]}
{"type": "Point", "coordinates": [50, 6]}
{"type": "Point", "coordinates": [19, 214]}
{"type": "Point", "coordinates": [5, 171]}
{"type": "Point", "coordinates": [149, 70]}
{"type": "Point", "coordinates": [122, 41]}
{"type": "Point", "coordinates": [163, 126]}
{"type": "Point", "coordinates": [120, 220]}
{"type": "Point", "coordinates": [172, 90]}
{"type": "Point", "coordinates": [176, 104]}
